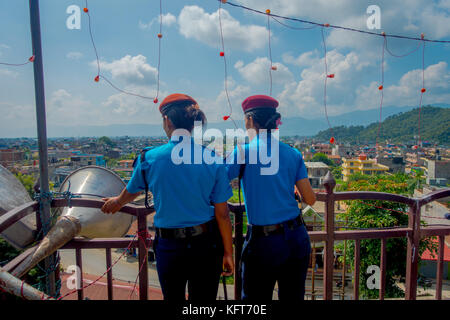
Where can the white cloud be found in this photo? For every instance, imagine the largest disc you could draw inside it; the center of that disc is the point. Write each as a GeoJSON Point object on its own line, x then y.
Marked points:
{"type": "Point", "coordinates": [257, 71]}
{"type": "Point", "coordinates": [131, 70]}
{"type": "Point", "coordinates": [8, 73]}
{"type": "Point", "coordinates": [168, 20]}
{"type": "Point", "coordinates": [74, 55]}
{"type": "Point", "coordinates": [305, 59]}
{"type": "Point", "coordinates": [305, 97]}
{"type": "Point", "coordinates": [407, 90]}
{"type": "Point", "coordinates": [195, 23]}
{"type": "Point", "coordinates": [407, 18]}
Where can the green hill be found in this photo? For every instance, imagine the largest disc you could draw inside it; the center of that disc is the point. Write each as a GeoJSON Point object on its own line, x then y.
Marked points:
{"type": "Point", "coordinates": [402, 127]}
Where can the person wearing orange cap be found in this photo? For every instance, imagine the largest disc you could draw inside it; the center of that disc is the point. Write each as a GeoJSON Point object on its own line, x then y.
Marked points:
{"type": "Point", "coordinates": [193, 241]}
{"type": "Point", "coordinates": [277, 246]}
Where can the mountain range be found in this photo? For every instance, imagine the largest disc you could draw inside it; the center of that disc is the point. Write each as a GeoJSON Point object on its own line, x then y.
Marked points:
{"type": "Point", "coordinates": [291, 126]}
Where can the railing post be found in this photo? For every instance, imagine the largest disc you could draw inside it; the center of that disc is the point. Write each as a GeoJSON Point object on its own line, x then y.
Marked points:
{"type": "Point", "coordinates": [412, 251]}
{"type": "Point", "coordinates": [79, 263]}
{"type": "Point", "coordinates": [328, 265]}
{"type": "Point", "coordinates": [440, 268]}
{"type": "Point", "coordinates": [356, 271]}
{"type": "Point", "coordinates": [238, 243]}
{"type": "Point", "coordinates": [109, 273]}
{"type": "Point", "coordinates": [143, 264]}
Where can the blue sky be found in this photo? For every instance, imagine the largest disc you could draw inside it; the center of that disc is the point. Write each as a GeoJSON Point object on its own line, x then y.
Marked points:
{"type": "Point", "coordinates": [125, 35]}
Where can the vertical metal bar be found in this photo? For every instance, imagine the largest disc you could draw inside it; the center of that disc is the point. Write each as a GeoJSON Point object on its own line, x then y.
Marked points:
{"type": "Point", "coordinates": [143, 261]}
{"type": "Point", "coordinates": [329, 184]}
{"type": "Point", "coordinates": [238, 243]}
{"type": "Point", "coordinates": [412, 252]}
{"type": "Point", "coordinates": [313, 263]}
{"type": "Point", "coordinates": [356, 272]}
{"type": "Point", "coordinates": [109, 273]}
{"type": "Point", "coordinates": [41, 128]}
{"type": "Point", "coordinates": [79, 263]}
{"type": "Point", "coordinates": [383, 269]}
{"type": "Point", "coordinates": [343, 270]}
{"type": "Point", "coordinates": [440, 268]}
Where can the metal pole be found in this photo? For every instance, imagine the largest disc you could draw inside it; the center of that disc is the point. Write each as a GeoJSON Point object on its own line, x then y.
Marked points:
{"type": "Point", "coordinates": [41, 128]}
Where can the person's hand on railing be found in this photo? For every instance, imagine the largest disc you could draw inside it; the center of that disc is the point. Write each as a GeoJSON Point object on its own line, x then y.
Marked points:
{"type": "Point", "coordinates": [112, 205]}
{"type": "Point", "coordinates": [228, 265]}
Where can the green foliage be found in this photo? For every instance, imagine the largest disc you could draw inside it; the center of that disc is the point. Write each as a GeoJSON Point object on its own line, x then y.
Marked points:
{"type": "Point", "coordinates": [130, 156]}
{"type": "Point", "coordinates": [322, 157]}
{"type": "Point", "coordinates": [106, 140]}
{"type": "Point", "coordinates": [336, 171]}
{"type": "Point", "coordinates": [435, 125]}
{"type": "Point", "coordinates": [380, 214]}
{"type": "Point", "coordinates": [28, 182]}
{"type": "Point", "coordinates": [110, 162]}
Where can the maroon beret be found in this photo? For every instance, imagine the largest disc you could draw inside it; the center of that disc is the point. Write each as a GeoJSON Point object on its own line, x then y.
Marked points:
{"type": "Point", "coordinates": [259, 101]}
{"type": "Point", "coordinates": [177, 98]}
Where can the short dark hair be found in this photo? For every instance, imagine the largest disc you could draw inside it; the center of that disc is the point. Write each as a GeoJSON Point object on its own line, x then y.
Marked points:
{"type": "Point", "coordinates": [264, 118]}
{"type": "Point", "coordinates": [184, 116]}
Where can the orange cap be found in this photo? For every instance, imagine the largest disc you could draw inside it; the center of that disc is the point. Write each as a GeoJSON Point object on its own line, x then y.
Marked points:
{"type": "Point", "coordinates": [176, 98]}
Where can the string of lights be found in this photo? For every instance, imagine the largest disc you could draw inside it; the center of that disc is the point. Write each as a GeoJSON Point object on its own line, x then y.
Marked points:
{"type": "Point", "coordinates": [332, 26]}
{"type": "Point", "coordinates": [108, 81]}
{"type": "Point", "coordinates": [380, 88]}
{"type": "Point", "coordinates": [30, 60]}
{"type": "Point", "coordinates": [222, 54]}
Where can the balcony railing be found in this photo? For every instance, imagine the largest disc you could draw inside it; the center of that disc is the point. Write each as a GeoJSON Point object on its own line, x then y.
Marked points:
{"type": "Point", "coordinates": [413, 232]}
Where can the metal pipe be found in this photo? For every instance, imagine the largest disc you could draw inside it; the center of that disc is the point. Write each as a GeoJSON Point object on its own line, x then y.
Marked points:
{"type": "Point", "coordinates": [41, 128]}
{"type": "Point", "coordinates": [19, 288]}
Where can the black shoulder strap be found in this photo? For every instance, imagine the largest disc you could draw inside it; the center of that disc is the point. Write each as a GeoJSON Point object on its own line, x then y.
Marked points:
{"type": "Point", "coordinates": [241, 175]}
{"type": "Point", "coordinates": [142, 155]}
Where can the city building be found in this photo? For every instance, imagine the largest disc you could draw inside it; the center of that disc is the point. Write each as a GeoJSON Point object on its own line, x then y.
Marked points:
{"type": "Point", "coordinates": [395, 164]}
{"type": "Point", "coordinates": [316, 173]}
{"type": "Point", "coordinates": [362, 165]}
{"type": "Point", "coordinates": [10, 156]}
{"type": "Point", "coordinates": [437, 172]}
{"type": "Point", "coordinates": [82, 160]}
{"type": "Point", "coordinates": [322, 148]}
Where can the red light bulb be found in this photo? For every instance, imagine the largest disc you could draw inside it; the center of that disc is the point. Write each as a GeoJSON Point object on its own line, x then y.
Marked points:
{"type": "Point", "coordinates": [222, 53]}
{"type": "Point", "coordinates": [155, 100]}
{"type": "Point", "coordinates": [31, 59]}
{"type": "Point", "coordinates": [97, 78]}
{"type": "Point", "coordinates": [85, 10]}
{"type": "Point", "coordinates": [380, 88]}
{"type": "Point", "coordinates": [332, 140]}
{"type": "Point", "coordinates": [225, 118]}
{"type": "Point", "coordinates": [331, 76]}
{"type": "Point", "coordinates": [423, 90]}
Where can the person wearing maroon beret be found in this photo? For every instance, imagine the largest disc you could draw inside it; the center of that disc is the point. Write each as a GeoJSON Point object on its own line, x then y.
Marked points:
{"type": "Point", "coordinates": [277, 246]}
{"type": "Point", "coordinates": [193, 240]}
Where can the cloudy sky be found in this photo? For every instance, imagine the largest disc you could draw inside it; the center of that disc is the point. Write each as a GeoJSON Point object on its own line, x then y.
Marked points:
{"type": "Point", "coordinates": [125, 35]}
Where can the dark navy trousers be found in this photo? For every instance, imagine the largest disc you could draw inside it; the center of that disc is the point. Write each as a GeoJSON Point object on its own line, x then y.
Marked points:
{"type": "Point", "coordinates": [282, 258]}
{"type": "Point", "coordinates": [196, 261]}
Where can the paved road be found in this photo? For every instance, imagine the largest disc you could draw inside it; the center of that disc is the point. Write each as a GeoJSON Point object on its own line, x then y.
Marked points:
{"type": "Point", "coordinates": [94, 262]}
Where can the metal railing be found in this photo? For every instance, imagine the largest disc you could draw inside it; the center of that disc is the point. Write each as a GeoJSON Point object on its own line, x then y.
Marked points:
{"type": "Point", "coordinates": [414, 232]}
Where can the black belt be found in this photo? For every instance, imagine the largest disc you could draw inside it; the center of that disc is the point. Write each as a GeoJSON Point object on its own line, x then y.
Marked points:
{"type": "Point", "coordinates": [182, 233]}
{"type": "Point", "coordinates": [277, 228]}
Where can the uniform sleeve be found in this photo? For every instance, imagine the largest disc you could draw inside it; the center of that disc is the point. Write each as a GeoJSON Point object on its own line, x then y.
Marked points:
{"type": "Point", "coordinates": [302, 173]}
{"type": "Point", "coordinates": [222, 189]}
{"type": "Point", "coordinates": [136, 182]}
{"type": "Point", "coordinates": [232, 166]}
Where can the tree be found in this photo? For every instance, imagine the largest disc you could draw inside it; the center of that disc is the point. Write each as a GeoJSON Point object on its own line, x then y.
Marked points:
{"type": "Point", "coordinates": [106, 140]}
{"type": "Point", "coordinates": [380, 214]}
{"type": "Point", "coordinates": [322, 157]}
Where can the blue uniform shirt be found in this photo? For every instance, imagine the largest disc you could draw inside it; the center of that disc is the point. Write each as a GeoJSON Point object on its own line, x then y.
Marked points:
{"type": "Point", "coordinates": [182, 193]}
{"type": "Point", "coordinates": [269, 199]}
